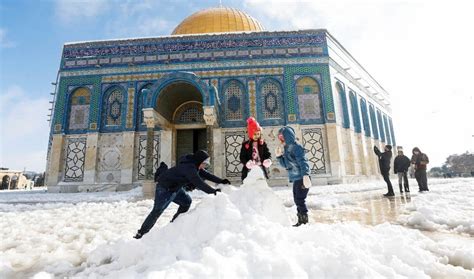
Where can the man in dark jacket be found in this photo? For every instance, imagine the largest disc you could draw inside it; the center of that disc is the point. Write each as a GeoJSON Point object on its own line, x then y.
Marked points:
{"type": "Point", "coordinates": [400, 167]}
{"type": "Point", "coordinates": [420, 160]}
{"type": "Point", "coordinates": [384, 163]}
{"type": "Point", "coordinates": [190, 170]}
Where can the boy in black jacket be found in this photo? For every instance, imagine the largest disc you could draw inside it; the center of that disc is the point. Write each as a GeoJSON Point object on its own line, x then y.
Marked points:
{"type": "Point", "coordinates": [170, 187]}
{"type": "Point", "coordinates": [384, 162]}
{"type": "Point", "coordinates": [400, 167]}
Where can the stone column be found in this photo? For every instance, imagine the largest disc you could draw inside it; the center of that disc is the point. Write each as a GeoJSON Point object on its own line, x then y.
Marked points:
{"type": "Point", "coordinates": [91, 158]}
{"type": "Point", "coordinates": [210, 117]}
{"type": "Point", "coordinates": [56, 157]}
{"type": "Point", "coordinates": [150, 117]}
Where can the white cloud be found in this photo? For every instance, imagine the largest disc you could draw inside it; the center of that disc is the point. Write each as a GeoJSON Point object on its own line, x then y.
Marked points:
{"type": "Point", "coordinates": [4, 41]}
{"type": "Point", "coordinates": [145, 18]}
{"type": "Point", "coordinates": [77, 11]}
{"type": "Point", "coordinates": [24, 130]}
{"type": "Point", "coordinates": [419, 51]}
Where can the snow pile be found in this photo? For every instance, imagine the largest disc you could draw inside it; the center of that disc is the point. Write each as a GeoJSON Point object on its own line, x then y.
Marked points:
{"type": "Point", "coordinates": [242, 232]}
{"type": "Point", "coordinates": [232, 235]}
{"type": "Point", "coordinates": [449, 205]}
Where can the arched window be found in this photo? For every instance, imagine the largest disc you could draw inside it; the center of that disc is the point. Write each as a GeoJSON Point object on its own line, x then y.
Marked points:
{"type": "Point", "coordinates": [381, 130]}
{"type": "Point", "coordinates": [365, 116]}
{"type": "Point", "coordinates": [271, 96]}
{"type": "Point", "coordinates": [355, 112]}
{"type": "Point", "coordinates": [342, 105]}
{"type": "Point", "coordinates": [113, 108]}
{"type": "Point", "coordinates": [391, 131]}
{"type": "Point", "coordinates": [79, 109]}
{"type": "Point", "coordinates": [234, 102]}
{"type": "Point", "coordinates": [373, 122]}
{"type": "Point", "coordinates": [144, 99]}
{"type": "Point", "coordinates": [189, 113]}
{"type": "Point", "coordinates": [308, 92]}
{"type": "Point", "coordinates": [387, 132]}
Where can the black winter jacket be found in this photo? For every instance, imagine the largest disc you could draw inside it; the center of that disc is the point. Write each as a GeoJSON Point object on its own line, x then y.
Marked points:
{"type": "Point", "coordinates": [246, 155]}
{"type": "Point", "coordinates": [187, 173]}
{"type": "Point", "coordinates": [401, 164]}
{"type": "Point", "coordinates": [384, 159]}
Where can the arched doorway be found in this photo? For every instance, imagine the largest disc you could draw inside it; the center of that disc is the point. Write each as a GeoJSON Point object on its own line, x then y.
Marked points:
{"type": "Point", "coordinates": [14, 182]}
{"type": "Point", "coordinates": [180, 103]}
{"type": "Point", "coordinates": [5, 182]}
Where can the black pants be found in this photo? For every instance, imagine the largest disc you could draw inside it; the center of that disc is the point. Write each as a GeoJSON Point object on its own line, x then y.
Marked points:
{"type": "Point", "coordinates": [386, 178]}
{"type": "Point", "coordinates": [163, 198]}
{"type": "Point", "coordinates": [299, 196]}
{"type": "Point", "coordinates": [422, 180]}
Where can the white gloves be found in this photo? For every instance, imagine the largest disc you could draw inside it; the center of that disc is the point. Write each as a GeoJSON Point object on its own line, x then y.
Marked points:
{"type": "Point", "coordinates": [250, 164]}
{"type": "Point", "coordinates": [278, 151]}
{"type": "Point", "coordinates": [307, 182]}
{"type": "Point", "coordinates": [267, 163]}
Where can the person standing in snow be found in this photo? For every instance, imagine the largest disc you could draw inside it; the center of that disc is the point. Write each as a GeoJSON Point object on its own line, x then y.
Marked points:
{"type": "Point", "coordinates": [293, 159]}
{"type": "Point", "coordinates": [419, 161]}
{"type": "Point", "coordinates": [384, 163]}
{"type": "Point", "coordinates": [400, 167]}
{"type": "Point", "coordinates": [190, 171]}
{"type": "Point", "coordinates": [254, 151]}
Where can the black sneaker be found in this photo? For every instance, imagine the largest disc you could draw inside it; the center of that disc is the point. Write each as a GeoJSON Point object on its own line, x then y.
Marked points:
{"type": "Point", "coordinates": [138, 235]}
{"type": "Point", "coordinates": [389, 195]}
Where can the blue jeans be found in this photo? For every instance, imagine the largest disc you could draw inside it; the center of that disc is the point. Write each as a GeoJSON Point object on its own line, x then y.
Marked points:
{"type": "Point", "coordinates": [163, 198]}
{"type": "Point", "coordinates": [299, 196]}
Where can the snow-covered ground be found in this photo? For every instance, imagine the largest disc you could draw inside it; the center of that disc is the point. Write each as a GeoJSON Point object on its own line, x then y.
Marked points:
{"type": "Point", "coordinates": [242, 232]}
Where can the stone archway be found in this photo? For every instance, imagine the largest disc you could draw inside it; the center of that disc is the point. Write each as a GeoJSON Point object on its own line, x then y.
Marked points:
{"type": "Point", "coordinates": [5, 183]}
{"type": "Point", "coordinates": [181, 105]}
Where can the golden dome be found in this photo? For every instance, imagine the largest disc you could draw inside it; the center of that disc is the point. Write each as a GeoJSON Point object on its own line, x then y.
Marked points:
{"type": "Point", "coordinates": [217, 20]}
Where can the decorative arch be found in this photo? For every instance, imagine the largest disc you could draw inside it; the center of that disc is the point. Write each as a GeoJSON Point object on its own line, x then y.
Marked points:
{"type": "Point", "coordinates": [365, 117]}
{"type": "Point", "coordinates": [343, 105]}
{"type": "Point", "coordinates": [355, 112]}
{"type": "Point", "coordinates": [373, 122]}
{"type": "Point", "coordinates": [78, 109]}
{"type": "Point", "coordinates": [144, 98]}
{"type": "Point", "coordinates": [208, 96]}
{"type": "Point", "coordinates": [113, 108]}
{"type": "Point", "coordinates": [234, 102]}
{"type": "Point", "coordinates": [308, 92]}
{"type": "Point", "coordinates": [271, 100]}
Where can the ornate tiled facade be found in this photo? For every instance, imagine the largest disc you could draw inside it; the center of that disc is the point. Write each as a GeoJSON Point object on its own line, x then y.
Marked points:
{"type": "Point", "coordinates": [114, 94]}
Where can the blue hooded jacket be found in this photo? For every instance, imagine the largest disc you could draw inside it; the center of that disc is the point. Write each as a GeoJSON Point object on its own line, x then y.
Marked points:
{"type": "Point", "coordinates": [293, 159]}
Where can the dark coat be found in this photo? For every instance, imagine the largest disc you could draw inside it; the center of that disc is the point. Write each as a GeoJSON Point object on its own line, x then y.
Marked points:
{"type": "Point", "coordinates": [187, 173]}
{"type": "Point", "coordinates": [246, 155]}
{"type": "Point", "coordinates": [420, 161]}
{"type": "Point", "coordinates": [401, 164]}
{"type": "Point", "coordinates": [384, 160]}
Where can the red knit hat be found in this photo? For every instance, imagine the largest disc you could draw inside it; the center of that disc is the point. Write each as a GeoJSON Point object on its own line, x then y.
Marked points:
{"type": "Point", "coordinates": [252, 127]}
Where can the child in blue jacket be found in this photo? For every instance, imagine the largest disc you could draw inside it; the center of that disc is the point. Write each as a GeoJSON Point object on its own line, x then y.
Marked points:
{"type": "Point", "coordinates": [293, 159]}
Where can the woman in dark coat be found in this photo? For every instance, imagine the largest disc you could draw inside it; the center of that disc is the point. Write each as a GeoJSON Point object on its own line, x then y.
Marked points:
{"type": "Point", "coordinates": [254, 151]}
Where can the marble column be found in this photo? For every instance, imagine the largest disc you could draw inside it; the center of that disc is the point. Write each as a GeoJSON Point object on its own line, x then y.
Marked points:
{"type": "Point", "coordinates": [210, 117]}
{"type": "Point", "coordinates": [150, 117]}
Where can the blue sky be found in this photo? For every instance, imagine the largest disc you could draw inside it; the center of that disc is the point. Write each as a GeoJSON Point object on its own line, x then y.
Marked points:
{"type": "Point", "coordinates": [420, 51]}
